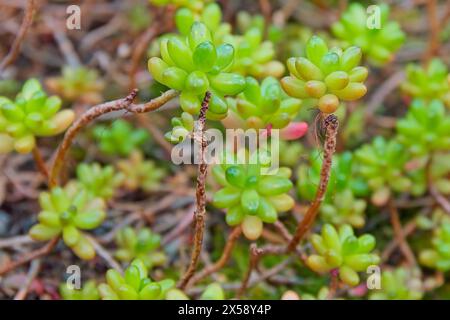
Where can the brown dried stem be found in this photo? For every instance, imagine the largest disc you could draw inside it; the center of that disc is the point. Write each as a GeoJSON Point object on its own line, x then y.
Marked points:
{"type": "Point", "coordinates": [200, 210]}
{"type": "Point", "coordinates": [234, 235]}
{"type": "Point", "coordinates": [434, 192]}
{"type": "Point", "coordinates": [331, 124]}
{"type": "Point", "coordinates": [255, 254]}
{"type": "Point", "coordinates": [40, 163]}
{"type": "Point", "coordinates": [95, 112]}
{"type": "Point", "coordinates": [42, 251]}
{"type": "Point", "coordinates": [399, 234]}
{"type": "Point", "coordinates": [15, 47]}
{"type": "Point", "coordinates": [434, 30]}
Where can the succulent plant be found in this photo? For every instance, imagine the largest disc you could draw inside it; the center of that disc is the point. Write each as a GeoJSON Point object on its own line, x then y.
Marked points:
{"type": "Point", "coordinates": [438, 257]}
{"type": "Point", "coordinates": [32, 114]}
{"type": "Point", "coordinates": [67, 212]}
{"type": "Point", "coordinates": [193, 65]}
{"type": "Point", "coordinates": [195, 5]}
{"type": "Point", "coordinates": [88, 292]}
{"type": "Point", "coordinates": [182, 127]}
{"type": "Point", "coordinates": [210, 15]}
{"type": "Point", "coordinates": [142, 245]}
{"type": "Point", "coordinates": [321, 295]}
{"type": "Point", "coordinates": [99, 181]}
{"type": "Point", "coordinates": [378, 43]}
{"type": "Point", "coordinates": [250, 197]}
{"type": "Point", "coordinates": [213, 291]}
{"type": "Point", "coordinates": [382, 163]}
{"type": "Point", "coordinates": [425, 129]}
{"type": "Point", "coordinates": [399, 284]}
{"type": "Point", "coordinates": [135, 172]}
{"type": "Point", "coordinates": [133, 285]}
{"type": "Point", "coordinates": [77, 83]}
{"type": "Point", "coordinates": [432, 82]}
{"type": "Point", "coordinates": [342, 251]}
{"type": "Point", "coordinates": [120, 138]}
{"type": "Point", "coordinates": [341, 204]}
{"type": "Point", "coordinates": [326, 76]}
{"type": "Point", "coordinates": [262, 105]}
{"type": "Point", "coordinates": [254, 55]}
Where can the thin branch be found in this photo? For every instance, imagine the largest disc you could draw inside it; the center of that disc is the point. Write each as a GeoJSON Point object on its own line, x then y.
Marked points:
{"type": "Point", "coordinates": [32, 273]}
{"type": "Point", "coordinates": [42, 251]}
{"type": "Point", "coordinates": [200, 210]}
{"type": "Point", "coordinates": [40, 163]}
{"type": "Point", "coordinates": [255, 255]}
{"type": "Point", "coordinates": [407, 230]}
{"type": "Point", "coordinates": [95, 112]}
{"type": "Point", "coordinates": [234, 235]}
{"type": "Point", "coordinates": [434, 192]}
{"type": "Point", "coordinates": [399, 234]}
{"type": "Point", "coordinates": [102, 252]}
{"type": "Point", "coordinates": [434, 30]}
{"type": "Point", "coordinates": [15, 47]}
{"type": "Point", "coordinates": [334, 283]}
{"type": "Point", "coordinates": [331, 124]}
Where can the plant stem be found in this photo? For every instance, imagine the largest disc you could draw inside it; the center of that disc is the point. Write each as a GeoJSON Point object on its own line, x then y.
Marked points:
{"type": "Point", "coordinates": [40, 163]}
{"type": "Point", "coordinates": [434, 192]}
{"type": "Point", "coordinates": [234, 235]}
{"type": "Point", "coordinates": [15, 47]}
{"type": "Point", "coordinates": [95, 112]}
{"type": "Point", "coordinates": [331, 124]}
{"type": "Point", "coordinates": [399, 235]}
{"type": "Point", "coordinates": [42, 251]}
{"type": "Point", "coordinates": [255, 255]}
{"type": "Point", "coordinates": [200, 211]}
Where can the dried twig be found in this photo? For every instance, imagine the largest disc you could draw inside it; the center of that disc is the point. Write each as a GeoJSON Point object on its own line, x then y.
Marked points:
{"type": "Point", "coordinates": [434, 30]}
{"type": "Point", "coordinates": [102, 252]}
{"type": "Point", "coordinates": [399, 234]}
{"type": "Point", "coordinates": [200, 210]}
{"type": "Point", "coordinates": [219, 264]}
{"type": "Point", "coordinates": [32, 273]}
{"type": "Point", "coordinates": [42, 251]}
{"type": "Point", "coordinates": [255, 254]}
{"type": "Point", "coordinates": [434, 192]}
{"type": "Point", "coordinates": [95, 112]}
{"type": "Point", "coordinates": [331, 124]}
{"type": "Point", "coordinates": [407, 230]}
{"type": "Point", "coordinates": [40, 163]}
{"type": "Point", "coordinates": [26, 23]}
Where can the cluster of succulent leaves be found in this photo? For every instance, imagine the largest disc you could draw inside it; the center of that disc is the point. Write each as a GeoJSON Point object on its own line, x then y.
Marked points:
{"type": "Point", "coordinates": [88, 292]}
{"type": "Point", "coordinates": [254, 55]}
{"type": "Point", "coordinates": [193, 65]}
{"type": "Point", "coordinates": [32, 114]}
{"type": "Point", "coordinates": [182, 126]}
{"type": "Point", "coordinates": [213, 291]}
{"type": "Point", "coordinates": [99, 181]}
{"type": "Point", "coordinates": [120, 138]}
{"type": "Point", "coordinates": [250, 196]}
{"type": "Point", "coordinates": [137, 173]}
{"type": "Point", "coordinates": [210, 15]}
{"type": "Point", "coordinates": [399, 284]}
{"type": "Point", "coordinates": [438, 257]}
{"type": "Point", "coordinates": [342, 251]}
{"type": "Point", "coordinates": [425, 129]}
{"type": "Point", "coordinates": [378, 42]}
{"type": "Point", "coordinates": [262, 105]}
{"type": "Point", "coordinates": [67, 212]}
{"type": "Point", "coordinates": [432, 82]}
{"type": "Point", "coordinates": [142, 245]}
{"type": "Point", "coordinates": [326, 76]}
{"type": "Point", "coordinates": [77, 83]}
{"type": "Point", "coordinates": [135, 284]}
{"type": "Point", "coordinates": [382, 164]}
{"type": "Point", "coordinates": [341, 204]}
